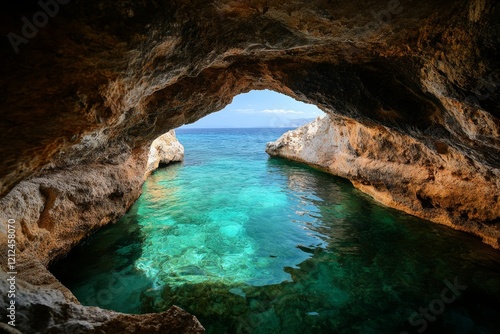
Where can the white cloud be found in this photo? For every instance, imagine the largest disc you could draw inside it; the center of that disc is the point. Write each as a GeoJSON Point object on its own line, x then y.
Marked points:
{"type": "Point", "coordinates": [245, 111]}
{"type": "Point", "coordinates": [281, 111]}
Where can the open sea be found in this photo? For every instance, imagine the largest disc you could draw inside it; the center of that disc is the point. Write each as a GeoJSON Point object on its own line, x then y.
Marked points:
{"type": "Point", "coordinates": [252, 244]}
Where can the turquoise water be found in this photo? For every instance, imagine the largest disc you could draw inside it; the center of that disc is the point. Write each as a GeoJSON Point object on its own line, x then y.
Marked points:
{"type": "Point", "coordinates": [250, 244]}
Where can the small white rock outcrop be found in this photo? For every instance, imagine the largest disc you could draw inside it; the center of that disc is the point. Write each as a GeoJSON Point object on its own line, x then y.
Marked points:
{"type": "Point", "coordinates": [164, 150]}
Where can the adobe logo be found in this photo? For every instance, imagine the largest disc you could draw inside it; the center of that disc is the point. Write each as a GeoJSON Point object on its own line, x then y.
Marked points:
{"type": "Point", "coordinates": [50, 8]}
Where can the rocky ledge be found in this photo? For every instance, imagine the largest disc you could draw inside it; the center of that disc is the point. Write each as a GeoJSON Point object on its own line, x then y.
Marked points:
{"type": "Point", "coordinates": [428, 179]}
{"type": "Point", "coordinates": [52, 213]}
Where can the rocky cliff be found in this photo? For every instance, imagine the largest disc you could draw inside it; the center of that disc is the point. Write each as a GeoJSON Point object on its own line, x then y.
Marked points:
{"type": "Point", "coordinates": [56, 210]}
{"type": "Point", "coordinates": [86, 86]}
{"type": "Point", "coordinates": [438, 183]}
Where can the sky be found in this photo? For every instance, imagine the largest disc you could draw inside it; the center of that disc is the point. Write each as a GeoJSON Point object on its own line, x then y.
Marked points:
{"type": "Point", "coordinates": [258, 109]}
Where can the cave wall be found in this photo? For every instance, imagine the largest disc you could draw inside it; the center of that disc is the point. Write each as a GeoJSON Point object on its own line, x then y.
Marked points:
{"type": "Point", "coordinates": [101, 79]}
{"type": "Point", "coordinates": [85, 91]}
{"type": "Point", "coordinates": [436, 182]}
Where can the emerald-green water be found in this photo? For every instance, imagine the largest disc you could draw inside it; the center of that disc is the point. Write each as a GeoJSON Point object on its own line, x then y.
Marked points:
{"type": "Point", "coordinates": [250, 244]}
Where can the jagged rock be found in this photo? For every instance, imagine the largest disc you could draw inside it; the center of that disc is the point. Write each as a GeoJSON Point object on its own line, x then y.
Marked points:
{"type": "Point", "coordinates": [43, 308]}
{"type": "Point", "coordinates": [86, 91]}
{"type": "Point", "coordinates": [53, 213]}
{"type": "Point", "coordinates": [438, 183]}
{"type": "Point", "coordinates": [164, 150]}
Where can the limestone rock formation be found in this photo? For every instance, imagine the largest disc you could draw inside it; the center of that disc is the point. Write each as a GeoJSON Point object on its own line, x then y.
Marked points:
{"type": "Point", "coordinates": [437, 183]}
{"type": "Point", "coordinates": [43, 308]}
{"type": "Point", "coordinates": [54, 212]}
{"type": "Point", "coordinates": [164, 150]}
{"type": "Point", "coordinates": [86, 86]}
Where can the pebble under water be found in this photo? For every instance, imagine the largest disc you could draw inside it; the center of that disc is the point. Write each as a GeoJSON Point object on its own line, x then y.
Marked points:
{"type": "Point", "coordinates": [250, 244]}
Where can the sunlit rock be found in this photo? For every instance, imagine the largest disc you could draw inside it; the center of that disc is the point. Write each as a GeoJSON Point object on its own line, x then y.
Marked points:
{"type": "Point", "coordinates": [164, 150]}
{"type": "Point", "coordinates": [438, 183]}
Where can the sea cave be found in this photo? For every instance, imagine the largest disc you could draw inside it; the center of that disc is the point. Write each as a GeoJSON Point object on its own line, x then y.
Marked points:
{"type": "Point", "coordinates": [380, 216]}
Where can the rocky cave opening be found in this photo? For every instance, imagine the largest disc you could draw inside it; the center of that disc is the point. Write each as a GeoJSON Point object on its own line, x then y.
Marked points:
{"type": "Point", "coordinates": [260, 109]}
{"type": "Point", "coordinates": [411, 92]}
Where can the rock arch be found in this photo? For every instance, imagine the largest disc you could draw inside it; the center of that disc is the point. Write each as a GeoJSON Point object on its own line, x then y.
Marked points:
{"type": "Point", "coordinates": [85, 95]}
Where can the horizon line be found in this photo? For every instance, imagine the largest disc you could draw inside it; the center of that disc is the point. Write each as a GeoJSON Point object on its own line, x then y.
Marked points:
{"type": "Point", "coordinates": [257, 127]}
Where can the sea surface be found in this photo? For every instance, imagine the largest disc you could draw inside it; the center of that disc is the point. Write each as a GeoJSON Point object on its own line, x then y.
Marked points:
{"type": "Point", "coordinates": [252, 244]}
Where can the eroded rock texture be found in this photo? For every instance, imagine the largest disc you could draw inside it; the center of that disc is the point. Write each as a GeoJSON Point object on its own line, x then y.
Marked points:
{"type": "Point", "coordinates": [436, 183]}
{"type": "Point", "coordinates": [44, 308]}
{"type": "Point", "coordinates": [95, 83]}
{"type": "Point", "coordinates": [164, 150]}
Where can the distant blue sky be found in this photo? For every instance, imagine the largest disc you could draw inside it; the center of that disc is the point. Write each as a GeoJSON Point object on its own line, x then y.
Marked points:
{"type": "Point", "coordinates": [258, 109]}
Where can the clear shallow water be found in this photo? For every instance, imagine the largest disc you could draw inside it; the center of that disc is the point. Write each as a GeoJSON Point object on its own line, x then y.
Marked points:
{"type": "Point", "coordinates": [256, 245]}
